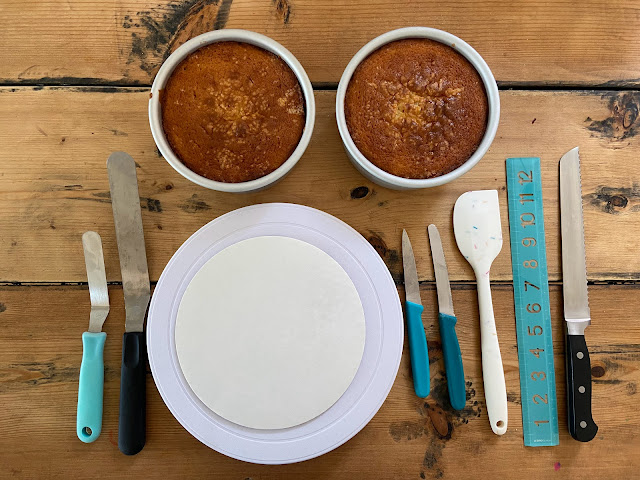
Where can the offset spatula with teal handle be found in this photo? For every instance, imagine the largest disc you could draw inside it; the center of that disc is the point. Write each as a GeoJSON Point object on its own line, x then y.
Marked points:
{"type": "Point", "coordinates": [91, 383]}
{"type": "Point", "coordinates": [417, 338]}
{"type": "Point", "coordinates": [447, 320]}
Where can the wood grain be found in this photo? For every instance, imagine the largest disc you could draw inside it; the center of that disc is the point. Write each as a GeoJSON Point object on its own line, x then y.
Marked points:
{"type": "Point", "coordinates": [595, 42]}
{"type": "Point", "coordinates": [40, 353]}
{"type": "Point", "coordinates": [55, 185]}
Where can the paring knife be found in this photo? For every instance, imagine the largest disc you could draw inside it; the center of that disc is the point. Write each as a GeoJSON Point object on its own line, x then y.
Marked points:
{"type": "Point", "coordinates": [91, 382]}
{"type": "Point", "coordinates": [447, 321]}
{"type": "Point", "coordinates": [576, 302]}
{"type": "Point", "coordinates": [417, 337]}
{"type": "Point", "coordinates": [125, 202]}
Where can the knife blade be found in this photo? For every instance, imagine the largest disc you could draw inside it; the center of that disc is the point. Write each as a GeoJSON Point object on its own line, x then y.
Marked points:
{"type": "Point", "coordinates": [447, 321]}
{"type": "Point", "coordinates": [576, 302]}
{"type": "Point", "coordinates": [91, 380]}
{"type": "Point", "coordinates": [125, 202]}
{"type": "Point", "coordinates": [417, 337]}
{"type": "Point", "coordinates": [443, 288]}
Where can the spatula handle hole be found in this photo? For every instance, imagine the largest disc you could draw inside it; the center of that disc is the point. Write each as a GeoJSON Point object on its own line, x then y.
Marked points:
{"type": "Point", "coordinates": [86, 431]}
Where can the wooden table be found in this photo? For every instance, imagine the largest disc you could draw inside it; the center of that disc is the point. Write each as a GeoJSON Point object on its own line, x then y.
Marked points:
{"type": "Point", "coordinates": [75, 81]}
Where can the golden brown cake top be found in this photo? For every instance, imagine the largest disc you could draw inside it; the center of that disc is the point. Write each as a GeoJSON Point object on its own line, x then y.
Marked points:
{"type": "Point", "coordinates": [232, 112]}
{"type": "Point", "coordinates": [416, 108]}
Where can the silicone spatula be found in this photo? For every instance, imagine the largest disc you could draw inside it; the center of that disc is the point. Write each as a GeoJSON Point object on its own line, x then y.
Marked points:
{"type": "Point", "coordinates": [476, 224]}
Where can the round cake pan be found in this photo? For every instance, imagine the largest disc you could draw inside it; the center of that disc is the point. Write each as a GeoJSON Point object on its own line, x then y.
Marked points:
{"type": "Point", "coordinates": [382, 177]}
{"type": "Point", "coordinates": [245, 36]}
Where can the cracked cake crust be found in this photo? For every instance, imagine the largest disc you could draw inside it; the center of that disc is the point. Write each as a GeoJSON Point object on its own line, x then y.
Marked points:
{"type": "Point", "coordinates": [232, 112]}
{"type": "Point", "coordinates": [416, 108]}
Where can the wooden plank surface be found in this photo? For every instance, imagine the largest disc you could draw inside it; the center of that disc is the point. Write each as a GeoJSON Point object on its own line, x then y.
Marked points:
{"type": "Point", "coordinates": [55, 186]}
{"type": "Point", "coordinates": [40, 353]}
{"type": "Point", "coordinates": [595, 42]}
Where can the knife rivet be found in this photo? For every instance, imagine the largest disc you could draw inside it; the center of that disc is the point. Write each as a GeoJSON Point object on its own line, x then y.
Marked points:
{"type": "Point", "coordinates": [583, 424]}
{"type": "Point", "coordinates": [581, 389]}
{"type": "Point", "coordinates": [580, 355]}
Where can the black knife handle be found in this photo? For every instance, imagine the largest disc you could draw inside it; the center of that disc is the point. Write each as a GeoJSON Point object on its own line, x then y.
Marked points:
{"type": "Point", "coordinates": [132, 421]}
{"type": "Point", "coordinates": [581, 424]}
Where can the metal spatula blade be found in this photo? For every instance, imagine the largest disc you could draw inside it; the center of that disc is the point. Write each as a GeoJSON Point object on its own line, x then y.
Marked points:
{"type": "Point", "coordinates": [478, 231]}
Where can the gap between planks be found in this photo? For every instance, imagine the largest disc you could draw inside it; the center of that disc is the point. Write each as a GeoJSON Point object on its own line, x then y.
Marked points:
{"type": "Point", "coordinates": [622, 86]}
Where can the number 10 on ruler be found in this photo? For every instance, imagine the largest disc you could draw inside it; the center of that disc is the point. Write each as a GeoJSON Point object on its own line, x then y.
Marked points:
{"type": "Point", "coordinates": [531, 295]}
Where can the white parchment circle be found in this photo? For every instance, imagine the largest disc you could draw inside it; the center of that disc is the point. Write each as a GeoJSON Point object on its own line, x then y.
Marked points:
{"type": "Point", "coordinates": [270, 332]}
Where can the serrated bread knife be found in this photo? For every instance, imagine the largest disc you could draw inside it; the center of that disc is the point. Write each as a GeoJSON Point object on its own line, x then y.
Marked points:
{"type": "Point", "coordinates": [576, 302]}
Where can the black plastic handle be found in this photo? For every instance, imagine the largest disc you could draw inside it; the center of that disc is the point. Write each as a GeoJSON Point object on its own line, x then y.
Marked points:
{"type": "Point", "coordinates": [581, 424]}
{"type": "Point", "coordinates": [132, 422]}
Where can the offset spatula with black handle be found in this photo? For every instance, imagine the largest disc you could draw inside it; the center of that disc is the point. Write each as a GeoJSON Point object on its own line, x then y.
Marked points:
{"type": "Point", "coordinates": [125, 202]}
{"type": "Point", "coordinates": [576, 302]}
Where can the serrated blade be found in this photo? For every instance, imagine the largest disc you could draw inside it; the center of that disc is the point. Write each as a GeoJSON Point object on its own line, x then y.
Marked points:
{"type": "Point", "coordinates": [411, 285]}
{"type": "Point", "coordinates": [574, 268]}
{"type": "Point", "coordinates": [443, 288]}
{"type": "Point", "coordinates": [125, 201]}
{"type": "Point", "coordinates": [97, 279]}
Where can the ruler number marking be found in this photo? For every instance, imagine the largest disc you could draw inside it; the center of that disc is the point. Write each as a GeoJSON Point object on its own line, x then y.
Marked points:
{"type": "Point", "coordinates": [536, 352]}
{"type": "Point", "coordinates": [529, 242]}
{"type": "Point", "coordinates": [533, 307]}
{"type": "Point", "coordinates": [541, 376]}
{"type": "Point", "coordinates": [527, 219]}
{"type": "Point", "coordinates": [537, 330]}
{"type": "Point", "coordinates": [526, 197]}
{"type": "Point", "coordinates": [540, 422]}
{"type": "Point", "coordinates": [543, 400]}
{"type": "Point", "coordinates": [524, 177]}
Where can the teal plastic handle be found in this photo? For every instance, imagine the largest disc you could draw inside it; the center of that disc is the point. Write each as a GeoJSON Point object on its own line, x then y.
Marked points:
{"type": "Point", "coordinates": [91, 385]}
{"type": "Point", "coordinates": [452, 361]}
{"type": "Point", "coordinates": [418, 350]}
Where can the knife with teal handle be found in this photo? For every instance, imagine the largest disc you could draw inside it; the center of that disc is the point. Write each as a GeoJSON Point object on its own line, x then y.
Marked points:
{"type": "Point", "coordinates": [447, 320]}
{"type": "Point", "coordinates": [452, 361]}
{"type": "Point", "coordinates": [418, 350]}
{"type": "Point", "coordinates": [91, 382]}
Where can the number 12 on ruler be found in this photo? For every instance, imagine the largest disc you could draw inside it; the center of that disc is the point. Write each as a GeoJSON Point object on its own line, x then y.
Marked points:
{"type": "Point", "coordinates": [531, 294]}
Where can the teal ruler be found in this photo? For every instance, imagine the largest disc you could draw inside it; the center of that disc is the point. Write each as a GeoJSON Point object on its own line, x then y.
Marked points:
{"type": "Point", "coordinates": [531, 294]}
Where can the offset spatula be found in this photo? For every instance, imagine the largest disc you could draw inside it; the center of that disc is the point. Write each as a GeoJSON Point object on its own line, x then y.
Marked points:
{"type": "Point", "coordinates": [576, 302]}
{"type": "Point", "coordinates": [476, 224]}
{"type": "Point", "coordinates": [91, 382]}
{"type": "Point", "coordinates": [125, 202]}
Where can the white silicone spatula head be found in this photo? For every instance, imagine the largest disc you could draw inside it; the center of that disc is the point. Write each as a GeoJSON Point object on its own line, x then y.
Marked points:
{"type": "Point", "coordinates": [476, 224]}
